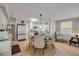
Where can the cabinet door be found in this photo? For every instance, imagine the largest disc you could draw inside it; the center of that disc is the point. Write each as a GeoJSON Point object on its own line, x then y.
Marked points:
{"type": "Point", "coordinates": [3, 35]}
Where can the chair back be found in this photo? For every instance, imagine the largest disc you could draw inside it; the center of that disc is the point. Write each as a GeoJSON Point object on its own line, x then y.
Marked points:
{"type": "Point", "coordinates": [39, 42]}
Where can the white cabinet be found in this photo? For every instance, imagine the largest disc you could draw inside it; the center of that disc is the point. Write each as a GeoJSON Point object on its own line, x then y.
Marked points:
{"type": "Point", "coordinates": [5, 43]}
{"type": "Point", "coordinates": [3, 35]}
{"type": "Point", "coordinates": [5, 46]}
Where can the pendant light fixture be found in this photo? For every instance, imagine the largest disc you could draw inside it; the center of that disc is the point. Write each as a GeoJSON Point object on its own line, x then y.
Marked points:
{"type": "Point", "coordinates": [40, 18]}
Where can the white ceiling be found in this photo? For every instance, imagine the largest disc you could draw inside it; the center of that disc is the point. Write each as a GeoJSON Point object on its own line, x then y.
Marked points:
{"type": "Point", "coordinates": [49, 10]}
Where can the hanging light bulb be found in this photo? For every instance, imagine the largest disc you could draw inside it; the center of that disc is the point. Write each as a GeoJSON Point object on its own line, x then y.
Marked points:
{"type": "Point", "coordinates": [40, 18]}
{"type": "Point", "coordinates": [33, 19]}
{"type": "Point", "coordinates": [40, 14]}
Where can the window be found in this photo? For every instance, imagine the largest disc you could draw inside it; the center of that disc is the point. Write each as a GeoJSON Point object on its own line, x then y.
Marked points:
{"type": "Point", "coordinates": [66, 27]}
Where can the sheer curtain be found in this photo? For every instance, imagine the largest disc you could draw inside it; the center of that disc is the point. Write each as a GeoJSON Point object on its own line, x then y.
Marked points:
{"type": "Point", "coordinates": [66, 27]}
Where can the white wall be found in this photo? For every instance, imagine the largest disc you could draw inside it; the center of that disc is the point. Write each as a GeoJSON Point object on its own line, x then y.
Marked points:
{"type": "Point", "coordinates": [58, 27]}
{"type": "Point", "coordinates": [76, 26]}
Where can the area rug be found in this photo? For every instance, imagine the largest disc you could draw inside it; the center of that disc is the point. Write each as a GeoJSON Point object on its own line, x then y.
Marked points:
{"type": "Point", "coordinates": [15, 49]}
{"type": "Point", "coordinates": [22, 40]}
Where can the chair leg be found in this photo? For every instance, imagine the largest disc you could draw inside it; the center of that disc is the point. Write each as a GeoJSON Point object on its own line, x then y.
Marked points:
{"type": "Point", "coordinates": [43, 51]}
{"type": "Point", "coordinates": [29, 43]}
{"type": "Point", "coordinates": [34, 50]}
{"type": "Point", "coordinates": [70, 43]}
{"type": "Point", "coordinates": [78, 45]}
{"type": "Point", "coordinates": [53, 46]}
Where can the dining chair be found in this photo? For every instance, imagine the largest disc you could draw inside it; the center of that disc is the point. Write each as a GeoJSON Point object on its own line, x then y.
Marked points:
{"type": "Point", "coordinates": [58, 37]}
{"type": "Point", "coordinates": [31, 38]}
{"type": "Point", "coordinates": [39, 43]}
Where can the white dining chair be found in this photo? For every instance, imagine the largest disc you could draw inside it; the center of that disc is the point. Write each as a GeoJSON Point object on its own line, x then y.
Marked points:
{"type": "Point", "coordinates": [39, 43]}
{"type": "Point", "coordinates": [31, 38]}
